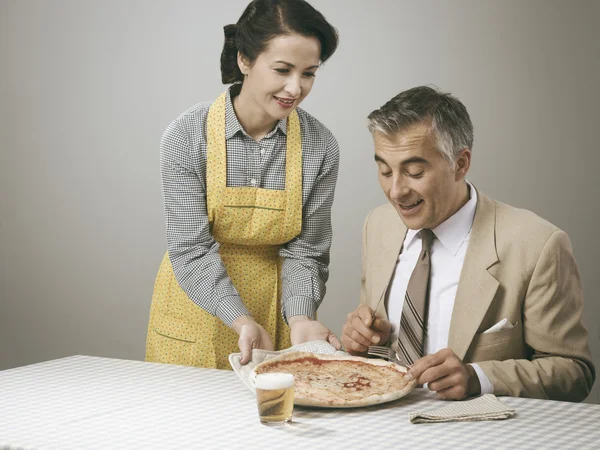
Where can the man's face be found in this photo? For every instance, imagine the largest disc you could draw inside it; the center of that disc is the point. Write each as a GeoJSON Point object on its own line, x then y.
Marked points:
{"type": "Point", "coordinates": [423, 187]}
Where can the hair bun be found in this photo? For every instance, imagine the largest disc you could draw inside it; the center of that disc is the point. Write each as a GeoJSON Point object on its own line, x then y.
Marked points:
{"type": "Point", "coordinates": [230, 31]}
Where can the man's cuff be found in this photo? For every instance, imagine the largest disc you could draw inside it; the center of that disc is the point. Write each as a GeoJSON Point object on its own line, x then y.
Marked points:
{"type": "Point", "coordinates": [484, 381]}
{"type": "Point", "coordinates": [230, 308]}
{"type": "Point", "coordinates": [299, 306]}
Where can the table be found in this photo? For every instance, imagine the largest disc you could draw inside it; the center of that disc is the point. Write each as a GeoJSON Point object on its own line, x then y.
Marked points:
{"type": "Point", "coordinates": [83, 402]}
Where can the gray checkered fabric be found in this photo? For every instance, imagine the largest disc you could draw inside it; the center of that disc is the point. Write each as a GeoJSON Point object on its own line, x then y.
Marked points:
{"type": "Point", "coordinates": [193, 251]}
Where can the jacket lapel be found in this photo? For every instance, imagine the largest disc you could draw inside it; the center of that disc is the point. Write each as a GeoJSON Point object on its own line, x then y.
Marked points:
{"type": "Point", "coordinates": [390, 245]}
{"type": "Point", "coordinates": [476, 287]}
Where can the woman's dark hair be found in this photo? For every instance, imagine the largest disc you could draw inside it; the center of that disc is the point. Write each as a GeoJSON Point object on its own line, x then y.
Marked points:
{"type": "Point", "coordinates": [263, 20]}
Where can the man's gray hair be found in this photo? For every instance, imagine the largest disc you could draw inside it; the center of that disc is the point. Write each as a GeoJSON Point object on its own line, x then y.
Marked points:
{"type": "Point", "coordinates": [446, 115]}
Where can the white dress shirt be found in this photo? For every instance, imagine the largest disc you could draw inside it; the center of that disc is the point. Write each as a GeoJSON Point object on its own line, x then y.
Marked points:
{"type": "Point", "coordinates": [448, 252]}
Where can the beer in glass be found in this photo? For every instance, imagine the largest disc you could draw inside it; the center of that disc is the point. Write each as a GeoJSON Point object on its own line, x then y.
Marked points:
{"type": "Point", "coordinates": [275, 397]}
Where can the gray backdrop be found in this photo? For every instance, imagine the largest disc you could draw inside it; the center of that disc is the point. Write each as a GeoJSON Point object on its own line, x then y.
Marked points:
{"type": "Point", "coordinates": [88, 86]}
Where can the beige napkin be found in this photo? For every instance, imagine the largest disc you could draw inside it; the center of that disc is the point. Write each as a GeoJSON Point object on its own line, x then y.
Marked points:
{"type": "Point", "coordinates": [486, 407]}
{"type": "Point", "coordinates": [259, 356]}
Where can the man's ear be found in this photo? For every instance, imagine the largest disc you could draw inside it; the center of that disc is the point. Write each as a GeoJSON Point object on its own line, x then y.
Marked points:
{"type": "Point", "coordinates": [462, 164]}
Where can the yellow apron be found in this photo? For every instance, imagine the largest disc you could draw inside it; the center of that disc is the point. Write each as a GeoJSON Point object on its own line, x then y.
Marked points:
{"type": "Point", "coordinates": [250, 225]}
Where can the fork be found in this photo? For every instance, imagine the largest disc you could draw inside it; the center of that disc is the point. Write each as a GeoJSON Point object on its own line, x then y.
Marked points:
{"type": "Point", "coordinates": [386, 353]}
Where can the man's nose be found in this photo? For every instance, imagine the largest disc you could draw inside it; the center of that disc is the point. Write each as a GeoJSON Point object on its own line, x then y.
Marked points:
{"type": "Point", "coordinates": [399, 189]}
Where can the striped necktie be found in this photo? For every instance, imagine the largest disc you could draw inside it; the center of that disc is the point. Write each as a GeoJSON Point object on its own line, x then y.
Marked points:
{"type": "Point", "coordinates": [413, 323]}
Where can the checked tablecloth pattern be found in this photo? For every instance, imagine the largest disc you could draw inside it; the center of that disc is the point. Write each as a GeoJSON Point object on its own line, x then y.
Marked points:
{"type": "Point", "coordinates": [83, 402]}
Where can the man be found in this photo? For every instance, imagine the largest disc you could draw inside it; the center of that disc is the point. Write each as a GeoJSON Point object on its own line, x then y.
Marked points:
{"type": "Point", "coordinates": [477, 296]}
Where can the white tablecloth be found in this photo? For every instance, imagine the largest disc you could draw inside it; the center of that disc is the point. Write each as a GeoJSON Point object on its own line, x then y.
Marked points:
{"type": "Point", "coordinates": [86, 403]}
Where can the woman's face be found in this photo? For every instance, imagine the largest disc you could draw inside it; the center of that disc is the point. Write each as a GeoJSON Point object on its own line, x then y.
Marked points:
{"type": "Point", "coordinates": [282, 75]}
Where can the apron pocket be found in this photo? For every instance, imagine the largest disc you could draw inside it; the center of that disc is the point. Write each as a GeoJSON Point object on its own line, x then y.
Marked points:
{"type": "Point", "coordinates": [174, 341]}
{"type": "Point", "coordinates": [175, 335]}
{"type": "Point", "coordinates": [249, 225]}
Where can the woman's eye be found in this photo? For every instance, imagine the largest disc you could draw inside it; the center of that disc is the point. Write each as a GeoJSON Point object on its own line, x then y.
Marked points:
{"type": "Point", "coordinates": [386, 174]}
{"type": "Point", "coordinates": [282, 70]}
{"type": "Point", "coordinates": [310, 74]}
{"type": "Point", "coordinates": [416, 175]}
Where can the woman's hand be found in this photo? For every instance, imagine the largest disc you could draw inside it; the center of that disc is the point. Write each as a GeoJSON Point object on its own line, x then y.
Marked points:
{"type": "Point", "coordinates": [304, 329]}
{"type": "Point", "coordinates": [252, 335]}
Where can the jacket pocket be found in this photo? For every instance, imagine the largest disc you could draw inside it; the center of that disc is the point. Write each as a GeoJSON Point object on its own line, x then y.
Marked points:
{"type": "Point", "coordinates": [498, 346]}
{"type": "Point", "coordinates": [496, 337]}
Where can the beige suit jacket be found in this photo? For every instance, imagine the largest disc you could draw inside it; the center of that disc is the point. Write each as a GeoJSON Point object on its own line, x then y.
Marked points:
{"type": "Point", "coordinates": [517, 266]}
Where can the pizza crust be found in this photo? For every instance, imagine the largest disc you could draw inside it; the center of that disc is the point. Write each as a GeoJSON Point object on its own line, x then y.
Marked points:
{"type": "Point", "coordinates": [321, 382]}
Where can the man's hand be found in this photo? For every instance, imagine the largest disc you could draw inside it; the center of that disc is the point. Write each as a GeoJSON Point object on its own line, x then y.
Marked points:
{"type": "Point", "coordinates": [252, 335]}
{"type": "Point", "coordinates": [447, 375]}
{"type": "Point", "coordinates": [304, 329]}
{"type": "Point", "coordinates": [361, 330]}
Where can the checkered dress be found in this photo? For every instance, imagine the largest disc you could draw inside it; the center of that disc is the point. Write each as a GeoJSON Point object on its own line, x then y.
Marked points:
{"type": "Point", "coordinates": [192, 249]}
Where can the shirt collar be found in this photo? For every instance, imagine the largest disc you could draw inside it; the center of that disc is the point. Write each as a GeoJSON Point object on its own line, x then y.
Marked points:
{"type": "Point", "coordinates": [454, 230]}
{"type": "Point", "coordinates": [233, 125]}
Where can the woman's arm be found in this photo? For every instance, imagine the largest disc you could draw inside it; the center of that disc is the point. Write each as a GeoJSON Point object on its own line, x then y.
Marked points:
{"type": "Point", "coordinates": [193, 251]}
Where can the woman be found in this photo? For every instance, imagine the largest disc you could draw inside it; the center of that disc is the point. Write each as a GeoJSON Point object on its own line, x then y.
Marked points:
{"type": "Point", "coordinates": [248, 182]}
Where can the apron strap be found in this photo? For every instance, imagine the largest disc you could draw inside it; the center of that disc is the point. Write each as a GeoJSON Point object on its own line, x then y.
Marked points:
{"type": "Point", "coordinates": [216, 161]}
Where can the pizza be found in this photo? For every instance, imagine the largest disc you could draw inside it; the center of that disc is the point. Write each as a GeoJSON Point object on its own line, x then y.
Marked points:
{"type": "Point", "coordinates": [339, 381]}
